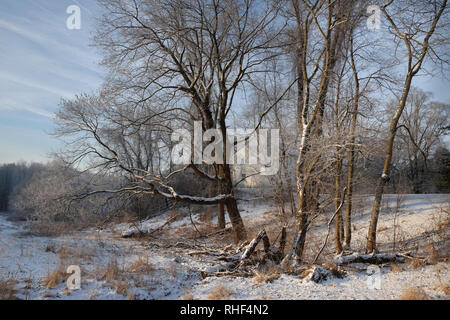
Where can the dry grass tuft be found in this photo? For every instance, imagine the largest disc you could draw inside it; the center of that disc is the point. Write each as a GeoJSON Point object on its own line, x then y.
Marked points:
{"type": "Point", "coordinates": [416, 263]}
{"type": "Point", "coordinates": [187, 295]}
{"type": "Point", "coordinates": [141, 265]}
{"type": "Point", "coordinates": [433, 256]}
{"type": "Point", "coordinates": [267, 275]}
{"type": "Point", "coordinates": [55, 277]}
{"type": "Point", "coordinates": [7, 290]}
{"type": "Point", "coordinates": [219, 293]}
{"type": "Point", "coordinates": [444, 287]}
{"type": "Point", "coordinates": [414, 293]}
{"type": "Point", "coordinates": [112, 271]}
{"type": "Point", "coordinates": [121, 287]}
{"type": "Point", "coordinates": [396, 267]}
{"type": "Point", "coordinates": [131, 295]}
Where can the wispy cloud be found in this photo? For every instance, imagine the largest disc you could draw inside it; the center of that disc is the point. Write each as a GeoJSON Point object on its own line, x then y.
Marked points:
{"type": "Point", "coordinates": [41, 61]}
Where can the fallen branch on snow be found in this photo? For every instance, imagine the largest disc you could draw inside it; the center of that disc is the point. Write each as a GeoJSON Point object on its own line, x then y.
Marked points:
{"type": "Point", "coordinates": [373, 258]}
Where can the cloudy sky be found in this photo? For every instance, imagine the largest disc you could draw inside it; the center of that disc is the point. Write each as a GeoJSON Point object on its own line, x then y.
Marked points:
{"type": "Point", "coordinates": [41, 61]}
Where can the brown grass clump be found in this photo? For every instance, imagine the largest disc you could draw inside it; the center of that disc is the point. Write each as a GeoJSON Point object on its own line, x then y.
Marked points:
{"type": "Point", "coordinates": [187, 295]}
{"type": "Point", "coordinates": [55, 277]}
{"type": "Point", "coordinates": [219, 293]}
{"type": "Point", "coordinates": [433, 256]}
{"type": "Point", "coordinates": [112, 271]}
{"type": "Point", "coordinates": [7, 290]}
{"type": "Point", "coordinates": [121, 287]}
{"type": "Point", "coordinates": [266, 275]}
{"type": "Point", "coordinates": [396, 268]}
{"type": "Point", "coordinates": [444, 287]}
{"type": "Point", "coordinates": [141, 265]}
{"type": "Point", "coordinates": [416, 263]}
{"type": "Point", "coordinates": [131, 295]}
{"type": "Point", "coordinates": [414, 293]}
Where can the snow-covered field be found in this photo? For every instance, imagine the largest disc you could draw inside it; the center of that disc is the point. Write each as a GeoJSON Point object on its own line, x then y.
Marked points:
{"type": "Point", "coordinates": [167, 264]}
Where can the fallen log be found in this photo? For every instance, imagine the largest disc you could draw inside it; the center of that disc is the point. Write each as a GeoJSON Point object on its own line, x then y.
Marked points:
{"type": "Point", "coordinates": [137, 230]}
{"type": "Point", "coordinates": [373, 258]}
{"type": "Point", "coordinates": [262, 235]}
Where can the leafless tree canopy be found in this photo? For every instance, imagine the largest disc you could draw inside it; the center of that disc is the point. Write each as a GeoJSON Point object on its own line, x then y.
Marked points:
{"type": "Point", "coordinates": [341, 94]}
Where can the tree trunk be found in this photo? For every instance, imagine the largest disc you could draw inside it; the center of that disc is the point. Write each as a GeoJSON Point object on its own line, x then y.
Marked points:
{"type": "Point", "coordinates": [372, 234]}
{"type": "Point", "coordinates": [351, 152]}
{"type": "Point", "coordinates": [220, 206]}
{"type": "Point", "coordinates": [337, 204]}
{"type": "Point", "coordinates": [239, 232]}
{"type": "Point", "coordinates": [412, 71]}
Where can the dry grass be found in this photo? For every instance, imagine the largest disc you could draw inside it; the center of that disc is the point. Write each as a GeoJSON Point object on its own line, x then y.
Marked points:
{"type": "Point", "coordinates": [433, 255]}
{"type": "Point", "coordinates": [382, 228]}
{"type": "Point", "coordinates": [266, 275]}
{"type": "Point", "coordinates": [7, 290]}
{"type": "Point", "coordinates": [75, 255]}
{"type": "Point", "coordinates": [207, 215]}
{"type": "Point", "coordinates": [219, 293]}
{"type": "Point", "coordinates": [442, 220]}
{"type": "Point", "coordinates": [396, 267]}
{"type": "Point", "coordinates": [131, 295]}
{"type": "Point", "coordinates": [444, 287]}
{"type": "Point", "coordinates": [141, 265]}
{"type": "Point", "coordinates": [416, 263]}
{"type": "Point", "coordinates": [187, 295]}
{"type": "Point", "coordinates": [414, 293]}
{"type": "Point", "coordinates": [67, 256]}
{"type": "Point", "coordinates": [120, 286]}
{"type": "Point", "coordinates": [118, 279]}
{"type": "Point", "coordinates": [55, 277]}
{"type": "Point", "coordinates": [112, 271]}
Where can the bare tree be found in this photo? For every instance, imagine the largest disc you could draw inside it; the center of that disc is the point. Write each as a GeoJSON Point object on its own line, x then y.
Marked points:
{"type": "Point", "coordinates": [315, 65]}
{"type": "Point", "coordinates": [175, 62]}
{"type": "Point", "coordinates": [415, 32]}
{"type": "Point", "coordinates": [422, 125]}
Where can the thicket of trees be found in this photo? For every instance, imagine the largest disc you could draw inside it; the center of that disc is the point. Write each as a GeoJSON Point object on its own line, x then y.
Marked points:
{"type": "Point", "coordinates": [12, 178]}
{"type": "Point", "coordinates": [341, 94]}
{"type": "Point", "coordinates": [55, 192]}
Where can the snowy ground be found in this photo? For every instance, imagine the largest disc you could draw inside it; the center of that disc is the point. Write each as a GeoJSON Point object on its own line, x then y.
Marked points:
{"type": "Point", "coordinates": [168, 263]}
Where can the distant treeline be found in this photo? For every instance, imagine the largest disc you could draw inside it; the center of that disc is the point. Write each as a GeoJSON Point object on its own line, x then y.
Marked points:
{"type": "Point", "coordinates": [55, 192]}
{"type": "Point", "coordinates": [12, 177]}
{"type": "Point", "coordinates": [19, 181]}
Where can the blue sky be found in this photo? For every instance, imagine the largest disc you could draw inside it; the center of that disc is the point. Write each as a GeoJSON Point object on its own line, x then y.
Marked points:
{"type": "Point", "coordinates": [42, 61]}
